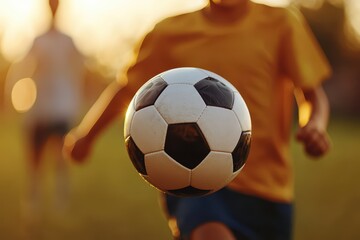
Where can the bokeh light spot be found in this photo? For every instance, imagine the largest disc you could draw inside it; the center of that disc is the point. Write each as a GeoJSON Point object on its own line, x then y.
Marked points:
{"type": "Point", "coordinates": [23, 94]}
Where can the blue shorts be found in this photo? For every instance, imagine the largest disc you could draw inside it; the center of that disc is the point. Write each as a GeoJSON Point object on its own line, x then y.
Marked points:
{"type": "Point", "coordinates": [248, 217]}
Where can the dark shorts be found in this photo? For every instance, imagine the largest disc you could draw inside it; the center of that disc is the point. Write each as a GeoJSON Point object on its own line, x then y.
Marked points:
{"type": "Point", "coordinates": [41, 132]}
{"type": "Point", "coordinates": [248, 217]}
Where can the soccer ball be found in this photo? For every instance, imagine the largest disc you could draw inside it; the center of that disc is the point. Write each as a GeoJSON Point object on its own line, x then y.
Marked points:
{"type": "Point", "coordinates": [188, 132]}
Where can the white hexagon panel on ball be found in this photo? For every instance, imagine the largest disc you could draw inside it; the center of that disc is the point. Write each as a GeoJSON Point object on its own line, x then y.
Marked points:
{"type": "Point", "coordinates": [213, 172]}
{"type": "Point", "coordinates": [185, 75]}
{"type": "Point", "coordinates": [242, 112]}
{"type": "Point", "coordinates": [180, 103]}
{"type": "Point", "coordinates": [221, 128]}
{"type": "Point", "coordinates": [165, 173]}
{"type": "Point", "coordinates": [150, 131]}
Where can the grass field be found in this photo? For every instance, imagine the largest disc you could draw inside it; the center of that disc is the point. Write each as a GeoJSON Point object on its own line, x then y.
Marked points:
{"type": "Point", "coordinates": [110, 201]}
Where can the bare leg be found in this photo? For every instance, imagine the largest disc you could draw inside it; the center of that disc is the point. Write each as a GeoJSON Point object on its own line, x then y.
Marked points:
{"type": "Point", "coordinates": [212, 231]}
{"type": "Point", "coordinates": [34, 173]}
{"type": "Point", "coordinates": [61, 175]}
{"type": "Point", "coordinates": [31, 205]}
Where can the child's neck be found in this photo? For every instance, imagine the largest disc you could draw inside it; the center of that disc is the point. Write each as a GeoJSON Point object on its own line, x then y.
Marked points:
{"type": "Point", "coordinates": [226, 14]}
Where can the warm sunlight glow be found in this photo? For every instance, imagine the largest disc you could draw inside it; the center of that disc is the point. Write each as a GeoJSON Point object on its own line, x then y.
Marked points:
{"type": "Point", "coordinates": [21, 21]}
{"type": "Point", "coordinates": [304, 113]}
{"type": "Point", "coordinates": [23, 94]}
{"type": "Point", "coordinates": [107, 30]}
{"type": "Point", "coordinates": [277, 3]}
{"type": "Point", "coordinates": [104, 30]}
{"type": "Point", "coordinates": [304, 107]}
{"type": "Point", "coordinates": [353, 11]}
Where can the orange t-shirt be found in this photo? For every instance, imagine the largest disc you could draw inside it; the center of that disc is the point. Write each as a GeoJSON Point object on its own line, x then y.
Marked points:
{"type": "Point", "coordinates": [264, 55]}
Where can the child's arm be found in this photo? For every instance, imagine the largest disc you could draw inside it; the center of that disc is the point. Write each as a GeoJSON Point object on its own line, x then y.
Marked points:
{"type": "Point", "coordinates": [111, 102]}
{"type": "Point", "coordinates": [314, 134]}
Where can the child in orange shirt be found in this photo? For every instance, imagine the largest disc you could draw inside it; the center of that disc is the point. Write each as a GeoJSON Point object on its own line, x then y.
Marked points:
{"type": "Point", "coordinates": [266, 53]}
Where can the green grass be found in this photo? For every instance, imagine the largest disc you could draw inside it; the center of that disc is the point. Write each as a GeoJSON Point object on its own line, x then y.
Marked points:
{"type": "Point", "coordinates": [110, 201]}
{"type": "Point", "coordinates": [327, 190]}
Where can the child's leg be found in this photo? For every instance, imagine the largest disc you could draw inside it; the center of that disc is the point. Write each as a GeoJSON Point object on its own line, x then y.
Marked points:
{"type": "Point", "coordinates": [36, 144]}
{"type": "Point", "coordinates": [212, 231]}
{"type": "Point", "coordinates": [62, 189]}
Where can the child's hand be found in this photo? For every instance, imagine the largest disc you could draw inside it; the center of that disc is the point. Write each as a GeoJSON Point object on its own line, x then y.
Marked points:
{"type": "Point", "coordinates": [76, 146]}
{"type": "Point", "coordinates": [315, 139]}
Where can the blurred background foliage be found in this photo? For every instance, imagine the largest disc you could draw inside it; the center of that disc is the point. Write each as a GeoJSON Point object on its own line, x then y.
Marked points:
{"type": "Point", "coordinates": [330, 24]}
{"type": "Point", "coordinates": [106, 32]}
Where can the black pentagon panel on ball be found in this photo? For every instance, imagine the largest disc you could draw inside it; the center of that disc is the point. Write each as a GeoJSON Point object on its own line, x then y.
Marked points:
{"type": "Point", "coordinates": [136, 156]}
{"type": "Point", "coordinates": [241, 150]}
{"type": "Point", "coordinates": [150, 93]}
{"type": "Point", "coordinates": [215, 93]}
{"type": "Point", "coordinates": [188, 192]}
{"type": "Point", "coordinates": [186, 144]}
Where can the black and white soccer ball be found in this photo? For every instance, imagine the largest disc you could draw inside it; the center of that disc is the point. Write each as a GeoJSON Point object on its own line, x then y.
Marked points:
{"type": "Point", "coordinates": [188, 132]}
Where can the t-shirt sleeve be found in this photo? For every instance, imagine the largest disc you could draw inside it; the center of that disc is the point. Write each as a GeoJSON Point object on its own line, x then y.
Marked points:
{"type": "Point", "coordinates": [149, 60]}
{"type": "Point", "coordinates": [302, 58]}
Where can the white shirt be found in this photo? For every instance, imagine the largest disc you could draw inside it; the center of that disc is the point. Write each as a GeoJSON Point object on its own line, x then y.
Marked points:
{"type": "Point", "coordinates": [58, 76]}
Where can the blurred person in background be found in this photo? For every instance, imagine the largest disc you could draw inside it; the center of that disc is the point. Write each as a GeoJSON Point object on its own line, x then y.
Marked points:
{"type": "Point", "coordinates": [266, 53]}
{"type": "Point", "coordinates": [57, 68]}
